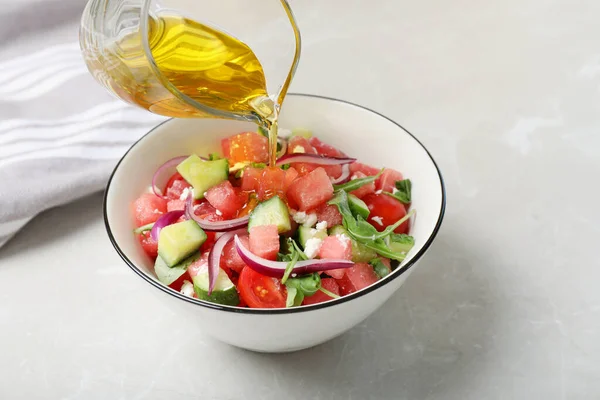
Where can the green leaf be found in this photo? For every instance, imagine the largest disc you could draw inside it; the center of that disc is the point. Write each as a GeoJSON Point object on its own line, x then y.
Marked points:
{"type": "Point", "coordinates": [403, 191]}
{"type": "Point", "coordinates": [297, 249]}
{"type": "Point", "coordinates": [213, 157]}
{"type": "Point", "coordinates": [357, 183]}
{"type": "Point", "coordinates": [285, 166]}
{"type": "Point", "coordinates": [300, 287]}
{"type": "Point", "coordinates": [143, 228]}
{"type": "Point", "coordinates": [290, 266]}
{"type": "Point", "coordinates": [365, 233]}
{"type": "Point", "coordinates": [328, 293]}
{"type": "Point", "coordinates": [294, 297]}
{"type": "Point", "coordinates": [379, 267]}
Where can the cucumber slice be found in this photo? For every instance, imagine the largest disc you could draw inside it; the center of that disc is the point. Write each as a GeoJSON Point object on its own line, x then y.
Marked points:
{"type": "Point", "coordinates": [357, 206]}
{"type": "Point", "coordinates": [306, 232]}
{"type": "Point", "coordinates": [360, 252]}
{"type": "Point", "coordinates": [224, 292]}
{"type": "Point", "coordinates": [271, 212]}
{"type": "Point", "coordinates": [178, 241]}
{"type": "Point", "coordinates": [167, 275]}
{"type": "Point", "coordinates": [203, 175]}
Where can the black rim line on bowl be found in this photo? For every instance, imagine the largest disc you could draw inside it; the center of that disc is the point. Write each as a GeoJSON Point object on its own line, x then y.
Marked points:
{"type": "Point", "coordinates": [395, 274]}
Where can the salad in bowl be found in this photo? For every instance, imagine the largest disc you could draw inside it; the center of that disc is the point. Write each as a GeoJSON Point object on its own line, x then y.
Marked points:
{"type": "Point", "coordinates": [274, 259]}
{"type": "Point", "coordinates": [228, 229]}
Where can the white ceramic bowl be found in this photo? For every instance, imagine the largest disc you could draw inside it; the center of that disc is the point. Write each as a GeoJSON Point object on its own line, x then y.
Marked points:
{"type": "Point", "coordinates": [362, 133]}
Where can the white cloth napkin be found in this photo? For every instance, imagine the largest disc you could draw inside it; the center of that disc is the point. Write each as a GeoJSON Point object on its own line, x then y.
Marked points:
{"type": "Point", "coordinates": [61, 133]}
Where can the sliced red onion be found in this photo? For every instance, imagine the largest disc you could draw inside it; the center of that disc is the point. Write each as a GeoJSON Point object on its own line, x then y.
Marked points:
{"type": "Point", "coordinates": [214, 257]}
{"type": "Point", "coordinates": [218, 226]}
{"type": "Point", "coordinates": [313, 159]}
{"type": "Point", "coordinates": [173, 162]}
{"type": "Point", "coordinates": [276, 269]}
{"type": "Point", "coordinates": [165, 220]}
{"type": "Point", "coordinates": [344, 177]}
{"type": "Point", "coordinates": [284, 146]}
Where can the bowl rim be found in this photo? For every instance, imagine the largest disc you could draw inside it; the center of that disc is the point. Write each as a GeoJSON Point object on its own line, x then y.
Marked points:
{"type": "Point", "coordinates": [214, 306]}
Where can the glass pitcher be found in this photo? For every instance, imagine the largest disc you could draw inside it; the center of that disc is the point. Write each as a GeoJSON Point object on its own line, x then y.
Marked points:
{"type": "Point", "coordinates": [155, 55]}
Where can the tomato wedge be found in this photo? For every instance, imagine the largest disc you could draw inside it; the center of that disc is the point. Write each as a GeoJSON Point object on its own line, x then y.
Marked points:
{"type": "Point", "coordinates": [260, 291]}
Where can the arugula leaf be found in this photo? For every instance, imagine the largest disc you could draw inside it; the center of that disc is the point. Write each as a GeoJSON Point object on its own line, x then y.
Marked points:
{"type": "Point", "coordinates": [303, 286]}
{"type": "Point", "coordinates": [379, 267]}
{"type": "Point", "coordinates": [143, 228]}
{"type": "Point", "coordinates": [290, 267]}
{"type": "Point", "coordinates": [328, 293]}
{"type": "Point", "coordinates": [307, 284]}
{"type": "Point", "coordinates": [357, 183]}
{"type": "Point", "coordinates": [402, 192]}
{"type": "Point", "coordinates": [365, 233]}
{"type": "Point", "coordinates": [294, 254]}
{"type": "Point", "coordinates": [294, 297]}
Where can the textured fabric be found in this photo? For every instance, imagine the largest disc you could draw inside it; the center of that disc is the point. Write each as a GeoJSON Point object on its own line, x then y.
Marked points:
{"type": "Point", "coordinates": [61, 133]}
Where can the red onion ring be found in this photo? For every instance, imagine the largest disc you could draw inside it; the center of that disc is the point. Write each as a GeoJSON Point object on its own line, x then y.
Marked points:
{"type": "Point", "coordinates": [214, 257]}
{"type": "Point", "coordinates": [276, 269]}
{"type": "Point", "coordinates": [219, 226]}
{"type": "Point", "coordinates": [344, 177]}
{"type": "Point", "coordinates": [173, 162]}
{"type": "Point", "coordinates": [164, 220]}
{"type": "Point", "coordinates": [313, 159]}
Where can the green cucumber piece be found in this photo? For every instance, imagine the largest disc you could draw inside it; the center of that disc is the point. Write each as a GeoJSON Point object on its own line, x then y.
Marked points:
{"type": "Point", "coordinates": [167, 275]}
{"type": "Point", "coordinates": [401, 243]}
{"type": "Point", "coordinates": [203, 175]}
{"type": "Point", "coordinates": [360, 252]}
{"type": "Point", "coordinates": [223, 293]}
{"type": "Point", "coordinates": [306, 232]}
{"type": "Point", "coordinates": [271, 212]}
{"type": "Point", "coordinates": [178, 241]}
{"type": "Point", "coordinates": [357, 206]}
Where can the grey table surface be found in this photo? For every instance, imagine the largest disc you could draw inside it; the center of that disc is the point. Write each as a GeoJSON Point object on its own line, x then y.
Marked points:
{"type": "Point", "coordinates": [505, 305]}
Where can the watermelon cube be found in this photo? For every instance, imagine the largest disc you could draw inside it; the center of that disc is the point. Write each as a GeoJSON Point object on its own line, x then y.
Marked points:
{"type": "Point", "coordinates": [356, 278]}
{"type": "Point", "coordinates": [148, 208]}
{"type": "Point", "coordinates": [387, 180]}
{"type": "Point", "coordinates": [311, 190]}
{"type": "Point", "coordinates": [264, 241]}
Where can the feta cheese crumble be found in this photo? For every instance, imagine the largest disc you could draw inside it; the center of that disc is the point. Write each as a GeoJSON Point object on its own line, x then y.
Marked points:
{"type": "Point", "coordinates": [312, 247]}
{"type": "Point", "coordinates": [321, 225]}
{"type": "Point", "coordinates": [299, 149]}
{"type": "Point", "coordinates": [311, 219]}
{"type": "Point", "coordinates": [303, 218]}
{"type": "Point", "coordinates": [185, 193]}
{"type": "Point", "coordinates": [378, 219]}
{"type": "Point", "coordinates": [187, 289]}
